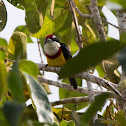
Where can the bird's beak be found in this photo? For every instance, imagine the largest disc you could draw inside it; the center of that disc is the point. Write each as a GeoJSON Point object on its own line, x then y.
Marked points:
{"type": "Point", "coordinates": [49, 40]}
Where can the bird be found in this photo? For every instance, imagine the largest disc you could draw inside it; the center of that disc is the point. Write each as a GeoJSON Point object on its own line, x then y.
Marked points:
{"type": "Point", "coordinates": [57, 54]}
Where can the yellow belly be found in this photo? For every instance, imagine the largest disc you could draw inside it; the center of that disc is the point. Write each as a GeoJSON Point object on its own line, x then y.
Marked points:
{"type": "Point", "coordinates": [59, 61]}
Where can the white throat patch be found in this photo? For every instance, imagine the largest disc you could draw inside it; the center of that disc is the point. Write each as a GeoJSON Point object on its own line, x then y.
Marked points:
{"type": "Point", "coordinates": [51, 48]}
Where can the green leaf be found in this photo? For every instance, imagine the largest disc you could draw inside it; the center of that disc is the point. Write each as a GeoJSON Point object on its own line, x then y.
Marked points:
{"type": "Point", "coordinates": [66, 123]}
{"type": "Point", "coordinates": [88, 34]}
{"type": "Point", "coordinates": [90, 56]}
{"type": "Point", "coordinates": [93, 108]}
{"type": "Point", "coordinates": [34, 18]}
{"type": "Point", "coordinates": [120, 116]}
{"type": "Point", "coordinates": [15, 83]}
{"type": "Point", "coordinates": [29, 67]}
{"type": "Point", "coordinates": [24, 29]}
{"type": "Point", "coordinates": [3, 15]}
{"type": "Point", "coordinates": [40, 100]}
{"type": "Point", "coordinates": [100, 70]}
{"type": "Point", "coordinates": [12, 112]}
{"type": "Point", "coordinates": [2, 55]}
{"type": "Point", "coordinates": [50, 25]}
{"type": "Point", "coordinates": [109, 122]}
{"type": "Point", "coordinates": [17, 46]}
{"type": "Point", "coordinates": [3, 42]}
{"type": "Point", "coordinates": [3, 75]}
{"type": "Point", "coordinates": [34, 21]}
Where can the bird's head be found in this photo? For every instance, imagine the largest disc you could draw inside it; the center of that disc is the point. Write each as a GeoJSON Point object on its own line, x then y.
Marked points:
{"type": "Point", "coordinates": [51, 38]}
{"type": "Point", "coordinates": [52, 45]}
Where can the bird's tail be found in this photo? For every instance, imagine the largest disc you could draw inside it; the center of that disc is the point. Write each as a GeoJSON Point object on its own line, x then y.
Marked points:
{"type": "Point", "coordinates": [73, 82]}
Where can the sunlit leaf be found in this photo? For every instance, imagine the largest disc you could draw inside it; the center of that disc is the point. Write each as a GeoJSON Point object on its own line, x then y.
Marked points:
{"type": "Point", "coordinates": [17, 46]}
{"type": "Point", "coordinates": [50, 25]}
{"type": "Point", "coordinates": [65, 123]}
{"type": "Point", "coordinates": [3, 75]}
{"type": "Point", "coordinates": [24, 29]}
{"type": "Point", "coordinates": [93, 108]}
{"type": "Point", "coordinates": [100, 70]}
{"type": "Point", "coordinates": [15, 83]}
{"type": "Point", "coordinates": [12, 112]}
{"type": "Point", "coordinates": [29, 67]}
{"type": "Point", "coordinates": [90, 56]}
{"type": "Point", "coordinates": [3, 15]}
{"type": "Point", "coordinates": [40, 100]}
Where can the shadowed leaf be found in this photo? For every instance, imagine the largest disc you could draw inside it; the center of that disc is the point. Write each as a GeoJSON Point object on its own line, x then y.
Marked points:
{"type": "Point", "coordinates": [3, 15]}
{"type": "Point", "coordinates": [12, 112]}
{"type": "Point", "coordinates": [93, 108]}
{"type": "Point", "coordinates": [90, 56]}
{"type": "Point", "coordinates": [15, 83]}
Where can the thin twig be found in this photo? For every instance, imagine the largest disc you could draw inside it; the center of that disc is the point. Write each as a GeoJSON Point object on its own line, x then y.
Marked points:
{"type": "Point", "coordinates": [104, 20]}
{"type": "Point", "coordinates": [71, 100]}
{"type": "Point", "coordinates": [39, 50]}
{"type": "Point", "coordinates": [76, 99]}
{"type": "Point", "coordinates": [79, 12]}
{"type": "Point", "coordinates": [79, 42]}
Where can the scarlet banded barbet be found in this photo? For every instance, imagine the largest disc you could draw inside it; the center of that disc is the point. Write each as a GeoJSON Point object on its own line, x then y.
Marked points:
{"type": "Point", "coordinates": [57, 54]}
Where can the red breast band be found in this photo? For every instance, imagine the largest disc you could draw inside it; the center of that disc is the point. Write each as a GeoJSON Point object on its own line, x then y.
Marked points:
{"type": "Point", "coordinates": [56, 55]}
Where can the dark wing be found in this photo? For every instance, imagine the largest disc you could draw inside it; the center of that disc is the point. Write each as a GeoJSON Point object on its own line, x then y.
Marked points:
{"type": "Point", "coordinates": [66, 52]}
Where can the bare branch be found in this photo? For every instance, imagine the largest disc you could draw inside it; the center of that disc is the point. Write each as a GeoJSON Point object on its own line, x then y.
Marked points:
{"type": "Point", "coordinates": [71, 100]}
{"type": "Point", "coordinates": [90, 91]}
{"type": "Point", "coordinates": [79, 12]}
{"type": "Point", "coordinates": [79, 42]}
{"type": "Point", "coordinates": [67, 86]}
{"type": "Point", "coordinates": [74, 100]}
{"type": "Point", "coordinates": [84, 75]}
{"type": "Point", "coordinates": [97, 20]}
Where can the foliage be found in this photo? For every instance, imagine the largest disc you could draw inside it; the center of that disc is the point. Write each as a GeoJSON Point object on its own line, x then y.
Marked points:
{"type": "Point", "coordinates": [18, 76]}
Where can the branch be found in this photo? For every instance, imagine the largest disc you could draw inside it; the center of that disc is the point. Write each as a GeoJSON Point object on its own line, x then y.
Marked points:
{"type": "Point", "coordinates": [64, 85]}
{"type": "Point", "coordinates": [79, 12]}
{"type": "Point", "coordinates": [90, 91]}
{"type": "Point", "coordinates": [79, 42]}
{"type": "Point", "coordinates": [97, 20]}
{"type": "Point", "coordinates": [84, 75]}
{"type": "Point", "coordinates": [71, 100]}
{"type": "Point", "coordinates": [104, 20]}
{"type": "Point", "coordinates": [75, 100]}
